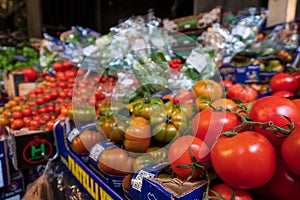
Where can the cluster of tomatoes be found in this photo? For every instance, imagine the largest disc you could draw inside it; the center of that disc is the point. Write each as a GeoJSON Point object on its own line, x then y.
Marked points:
{"type": "Point", "coordinates": [50, 101]}
{"type": "Point", "coordinates": [250, 145]}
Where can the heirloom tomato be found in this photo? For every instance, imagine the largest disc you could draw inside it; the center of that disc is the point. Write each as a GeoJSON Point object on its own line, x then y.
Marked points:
{"type": "Point", "coordinates": [137, 135]}
{"type": "Point", "coordinates": [228, 192]}
{"type": "Point", "coordinates": [146, 107]}
{"type": "Point", "coordinates": [142, 161]}
{"type": "Point", "coordinates": [241, 92]}
{"type": "Point", "coordinates": [208, 88]}
{"type": "Point", "coordinates": [114, 130]}
{"type": "Point", "coordinates": [208, 125]}
{"type": "Point", "coordinates": [116, 161]}
{"type": "Point", "coordinates": [224, 104]}
{"type": "Point", "coordinates": [152, 155]}
{"type": "Point", "coordinates": [167, 123]}
{"type": "Point", "coordinates": [246, 160]}
{"type": "Point", "coordinates": [274, 109]}
{"type": "Point", "coordinates": [183, 162]}
{"type": "Point", "coordinates": [86, 140]}
{"type": "Point", "coordinates": [290, 150]}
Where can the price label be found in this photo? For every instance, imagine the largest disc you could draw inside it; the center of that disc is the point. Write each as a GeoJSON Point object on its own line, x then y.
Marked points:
{"type": "Point", "coordinates": [96, 152]}
{"type": "Point", "coordinates": [73, 134]}
{"type": "Point", "coordinates": [137, 181]}
{"type": "Point", "coordinates": [197, 60]}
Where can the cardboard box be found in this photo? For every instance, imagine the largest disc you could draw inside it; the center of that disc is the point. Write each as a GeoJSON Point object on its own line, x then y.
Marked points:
{"type": "Point", "coordinates": [246, 74]}
{"type": "Point", "coordinates": [15, 85]}
{"type": "Point", "coordinates": [15, 190]}
{"type": "Point", "coordinates": [4, 163]}
{"type": "Point", "coordinates": [172, 189]}
{"type": "Point", "coordinates": [137, 181]}
{"type": "Point", "coordinates": [30, 148]}
{"type": "Point", "coordinates": [199, 22]}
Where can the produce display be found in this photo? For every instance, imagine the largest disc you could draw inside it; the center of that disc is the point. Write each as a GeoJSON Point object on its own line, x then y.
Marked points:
{"type": "Point", "coordinates": [147, 110]}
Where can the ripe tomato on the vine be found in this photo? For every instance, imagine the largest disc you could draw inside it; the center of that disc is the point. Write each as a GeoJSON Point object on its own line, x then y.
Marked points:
{"type": "Point", "coordinates": [246, 160]}
{"type": "Point", "coordinates": [228, 192]}
{"type": "Point", "coordinates": [241, 92]}
{"type": "Point", "coordinates": [179, 155]}
{"type": "Point", "coordinates": [208, 125]}
{"type": "Point", "coordinates": [274, 109]}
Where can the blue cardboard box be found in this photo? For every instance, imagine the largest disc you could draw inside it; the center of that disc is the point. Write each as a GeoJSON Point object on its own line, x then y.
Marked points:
{"type": "Point", "coordinates": [15, 190]}
{"type": "Point", "coordinates": [4, 163]}
{"type": "Point", "coordinates": [150, 171]}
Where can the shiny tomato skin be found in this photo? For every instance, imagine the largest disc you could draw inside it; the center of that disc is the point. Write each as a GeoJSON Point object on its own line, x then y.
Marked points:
{"type": "Point", "coordinates": [115, 161]}
{"type": "Point", "coordinates": [273, 108]}
{"type": "Point", "coordinates": [246, 160]}
{"type": "Point", "coordinates": [138, 135]}
{"type": "Point", "coordinates": [283, 93]}
{"type": "Point", "coordinates": [297, 103]}
{"type": "Point", "coordinates": [226, 83]}
{"type": "Point", "coordinates": [226, 191]}
{"type": "Point", "coordinates": [224, 103]}
{"type": "Point", "coordinates": [30, 74]}
{"type": "Point", "coordinates": [290, 151]}
{"type": "Point", "coordinates": [241, 92]}
{"type": "Point", "coordinates": [208, 88]}
{"type": "Point", "coordinates": [208, 125]}
{"type": "Point", "coordinates": [284, 185]}
{"type": "Point", "coordinates": [179, 155]}
{"type": "Point", "coordinates": [284, 81]}
{"type": "Point", "coordinates": [58, 66]}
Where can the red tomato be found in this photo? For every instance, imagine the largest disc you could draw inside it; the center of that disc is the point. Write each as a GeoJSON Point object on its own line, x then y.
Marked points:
{"type": "Point", "coordinates": [30, 74]}
{"type": "Point", "coordinates": [67, 65]}
{"type": "Point", "coordinates": [54, 94]}
{"type": "Point", "coordinates": [17, 115]}
{"type": "Point", "coordinates": [297, 103]}
{"type": "Point", "coordinates": [244, 93]}
{"type": "Point", "coordinates": [283, 93]}
{"type": "Point", "coordinates": [284, 81]}
{"type": "Point", "coordinates": [226, 83]}
{"type": "Point", "coordinates": [227, 192]}
{"type": "Point", "coordinates": [208, 125]}
{"type": "Point", "coordinates": [17, 124]}
{"type": "Point", "coordinates": [26, 112]}
{"type": "Point", "coordinates": [284, 185]}
{"type": "Point", "coordinates": [70, 73]}
{"type": "Point", "coordinates": [290, 151]}
{"type": "Point", "coordinates": [247, 160]}
{"type": "Point", "coordinates": [179, 155]}
{"type": "Point", "coordinates": [273, 108]}
{"type": "Point", "coordinates": [58, 66]}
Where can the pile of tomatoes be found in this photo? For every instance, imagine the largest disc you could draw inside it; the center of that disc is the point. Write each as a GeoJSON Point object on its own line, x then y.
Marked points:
{"type": "Point", "coordinates": [51, 100]}
{"type": "Point", "coordinates": [246, 148]}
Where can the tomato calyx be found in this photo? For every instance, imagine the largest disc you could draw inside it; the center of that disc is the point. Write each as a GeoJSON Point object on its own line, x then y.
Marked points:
{"type": "Point", "coordinates": [194, 165]}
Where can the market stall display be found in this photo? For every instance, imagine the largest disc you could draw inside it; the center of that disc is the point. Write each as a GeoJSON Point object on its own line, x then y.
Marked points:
{"type": "Point", "coordinates": [140, 113]}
